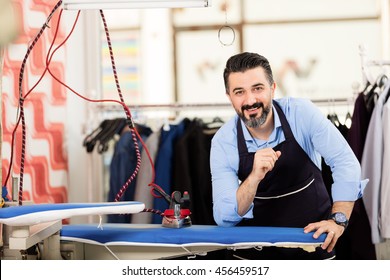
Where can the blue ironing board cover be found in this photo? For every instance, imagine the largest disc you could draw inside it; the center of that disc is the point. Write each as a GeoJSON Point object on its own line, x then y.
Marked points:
{"type": "Point", "coordinates": [26, 215]}
{"type": "Point", "coordinates": [195, 235]}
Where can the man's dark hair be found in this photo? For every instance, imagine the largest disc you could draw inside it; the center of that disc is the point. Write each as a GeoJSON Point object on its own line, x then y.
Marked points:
{"type": "Point", "coordinates": [245, 61]}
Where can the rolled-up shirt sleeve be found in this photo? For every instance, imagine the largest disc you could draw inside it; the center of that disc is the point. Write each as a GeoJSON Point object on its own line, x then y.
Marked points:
{"type": "Point", "coordinates": [338, 155]}
{"type": "Point", "coordinates": [224, 165]}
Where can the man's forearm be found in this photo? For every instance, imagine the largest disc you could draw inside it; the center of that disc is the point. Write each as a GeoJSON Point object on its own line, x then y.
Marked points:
{"type": "Point", "coordinates": [246, 194]}
{"type": "Point", "coordinates": [345, 207]}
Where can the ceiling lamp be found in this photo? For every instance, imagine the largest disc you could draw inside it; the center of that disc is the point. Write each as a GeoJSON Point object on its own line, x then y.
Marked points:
{"type": "Point", "coordinates": [132, 4]}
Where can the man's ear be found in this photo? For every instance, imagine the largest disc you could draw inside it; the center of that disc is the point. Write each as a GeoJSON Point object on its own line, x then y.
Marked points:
{"type": "Point", "coordinates": [273, 88]}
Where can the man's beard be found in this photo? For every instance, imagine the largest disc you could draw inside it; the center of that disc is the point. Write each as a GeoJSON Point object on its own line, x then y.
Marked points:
{"type": "Point", "coordinates": [253, 121]}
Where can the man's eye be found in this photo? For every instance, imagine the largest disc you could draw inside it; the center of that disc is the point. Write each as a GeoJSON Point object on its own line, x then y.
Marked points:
{"type": "Point", "coordinates": [258, 88]}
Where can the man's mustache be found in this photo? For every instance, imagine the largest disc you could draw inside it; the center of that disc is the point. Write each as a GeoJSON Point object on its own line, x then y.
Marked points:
{"type": "Point", "coordinates": [253, 106]}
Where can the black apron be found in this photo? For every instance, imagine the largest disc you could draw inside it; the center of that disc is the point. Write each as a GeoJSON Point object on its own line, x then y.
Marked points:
{"type": "Point", "coordinates": [293, 194]}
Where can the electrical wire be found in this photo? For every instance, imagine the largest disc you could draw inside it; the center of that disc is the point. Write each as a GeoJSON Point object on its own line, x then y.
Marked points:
{"type": "Point", "coordinates": [22, 98]}
{"type": "Point", "coordinates": [133, 130]}
{"type": "Point", "coordinates": [128, 113]}
{"type": "Point", "coordinates": [47, 69]}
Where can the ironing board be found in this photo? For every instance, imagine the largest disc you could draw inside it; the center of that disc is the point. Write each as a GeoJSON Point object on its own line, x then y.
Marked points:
{"type": "Point", "coordinates": [27, 225]}
{"type": "Point", "coordinates": [152, 241]}
{"type": "Point", "coordinates": [27, 215]}
{"type": "Point", "coordinates": [136, 241]}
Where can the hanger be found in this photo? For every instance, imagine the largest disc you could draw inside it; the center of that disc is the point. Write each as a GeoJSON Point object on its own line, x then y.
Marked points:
{"type": "Point", "coordinates": [215, 123]}
{"type": "Point", "coordinates": [348, 120]}
{"type": "Point", "coordinates": [333, 116]}
{"type": "Point", "coordinates": [218, 120]}
{"type": "Point", "coordinates": [381, 81]}
{"type": "Point", "coordinates": [115, 128]}
{"type": "Point", "coordinates": [166, 126]}
{"type": "Point", "coordinates": [91, 139]}
{"type": "Point", "coordinates": [370, 97]}
{"type": "Point", "coordinates": [387, 95]}
{"type": "Point", "coordinates": [103, 134]}
{"type": "Point", "coordinates": [334, 119]}
{"type": "Point", "coordinates": [366, 87]}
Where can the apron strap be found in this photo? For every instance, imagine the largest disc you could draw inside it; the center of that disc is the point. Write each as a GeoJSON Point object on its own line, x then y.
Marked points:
{"type": "Point", "coordinates": [285, 125]}
{"type": "Point", "coordinates": [242, 148]}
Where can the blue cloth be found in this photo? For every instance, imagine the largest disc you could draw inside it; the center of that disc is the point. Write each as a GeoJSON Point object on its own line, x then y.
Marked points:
{"type": "Point", "coordinates": [4, 193]}
{"type": "Point", "coordinates": [314, 133]}
{"type": "Point", "coordinates": [123, 164]}
{"type": "Point", "coordinates": [163, 164]}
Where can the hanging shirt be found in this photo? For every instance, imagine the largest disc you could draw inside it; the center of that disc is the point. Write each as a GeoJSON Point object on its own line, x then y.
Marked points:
{"type": "Point", "coordinates": [163, 164]}
{"type": "Point", "coordinates": [122, 166]}
{"type": "Point", "coordinates": [314, 133]}
{"type": "Point", "coordinates": [145, 177]}
{"type": "Point", "coordinates": [385, 181]}
{"type": "Point", "coordinates": [356, 243]}
{"type": "Point", "coordinates": [191, 171]}
{"type": "Point", "coordinates": [372, 160]}
{"type": "Point", "coordinates": [360, 121]}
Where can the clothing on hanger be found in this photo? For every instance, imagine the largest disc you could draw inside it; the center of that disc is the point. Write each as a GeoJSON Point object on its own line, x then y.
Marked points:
{"type": "Point", "coordinates": [122, 166]}
{"type": "Point", "coordinates": [103, 134]}
{"type": "Point", "coordinates": [355, 243]}
{"type": "Point", "coordinates": [163, 164]}
{"type": "Point", "coordinates": [191, 171]}
{"type": "Point", "coordinates": [372, 160]}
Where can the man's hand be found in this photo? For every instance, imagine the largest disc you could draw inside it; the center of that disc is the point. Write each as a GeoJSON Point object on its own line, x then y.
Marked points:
{"type": "Point", "coordinates": [333, 231]}
{"type": "Point", "coordinates": [264, 161]}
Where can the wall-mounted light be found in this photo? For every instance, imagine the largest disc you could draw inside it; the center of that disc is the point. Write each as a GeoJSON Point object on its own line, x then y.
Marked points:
{"type": "Point", "coordinates": [132, 4]}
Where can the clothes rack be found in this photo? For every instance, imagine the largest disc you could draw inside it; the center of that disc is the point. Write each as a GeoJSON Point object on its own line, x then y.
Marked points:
{"type": "Point", "coordinates": [366, 62]}
{"type": "Point", "coordinates": [191, 106]}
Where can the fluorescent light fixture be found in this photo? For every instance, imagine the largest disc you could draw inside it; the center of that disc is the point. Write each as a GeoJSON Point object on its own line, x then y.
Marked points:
{"type": "Point", "coordinates": [132, 4]}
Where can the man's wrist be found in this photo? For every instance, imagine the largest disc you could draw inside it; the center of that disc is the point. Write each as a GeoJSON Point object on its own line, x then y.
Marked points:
{"type": "Point", "coordinates": [339, 218]}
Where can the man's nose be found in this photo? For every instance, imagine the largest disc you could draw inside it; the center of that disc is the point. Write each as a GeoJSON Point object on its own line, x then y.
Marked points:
{"type": "Point", "coordinates": [251, 98]}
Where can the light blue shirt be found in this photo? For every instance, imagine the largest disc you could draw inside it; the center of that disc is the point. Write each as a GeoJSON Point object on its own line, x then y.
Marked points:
{"type": "Point", "coordinates": [314, 133]}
